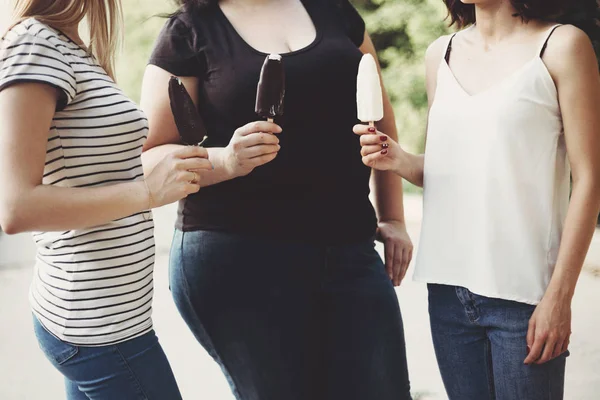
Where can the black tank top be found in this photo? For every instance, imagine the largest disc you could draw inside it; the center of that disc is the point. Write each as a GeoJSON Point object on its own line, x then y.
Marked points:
{"type": "Point", "coordinates": [317, 189]}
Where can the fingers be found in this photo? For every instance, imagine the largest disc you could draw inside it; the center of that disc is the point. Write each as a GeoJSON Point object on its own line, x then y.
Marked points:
{"type": "Point", "coordinates": [195, 164]}
{"type": "Point", "coordinates": [364, 130]}
{"type": "Point", "coordinates": [398, 261]}
{"type": "Point", "coordinates": [188, 176]}
{"type": "Point", "coordinates": [371, 159]}
{"type": "Point", "coordinates": [535, 344]}
{"type": "Point", "coordinates": [406, 257]}
{"type": "Point", "coordinates": [376, 140]}
{"type": "Point", "coordinates": [259, 138]}
{"type": "Point", "coordinates": [565, 346]}
{"type": "Point", "coordinates": [530, 335]}
{"type": "Point", "coordinates": [389, 260]}
{"type": "Point", "coordinates": [257, 127]}
{"type": "Point", "coordinates": [558, 349]}
{"type": "Point", "coordinates": [264, 159]}
{"type": "Point", "coordinates": [549, 349]}
{"type": "Point", "coordinates": [370, 149]}
{"type": "Point", "coordinates": [191, 152]}
{"type": "Point", "coordinates": [258, 151]}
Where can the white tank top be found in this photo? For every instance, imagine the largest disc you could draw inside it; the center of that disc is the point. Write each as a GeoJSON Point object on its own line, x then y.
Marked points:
{"type": "Point", "coordinates": [496, 185]}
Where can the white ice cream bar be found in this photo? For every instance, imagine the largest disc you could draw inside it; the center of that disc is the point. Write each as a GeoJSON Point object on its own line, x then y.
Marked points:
{"type": "Point", "coordinates": [369, 95]}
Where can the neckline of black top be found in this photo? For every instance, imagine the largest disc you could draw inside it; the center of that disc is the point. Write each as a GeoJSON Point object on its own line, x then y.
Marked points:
{"type": "Point", "coordinates": [318, 37]}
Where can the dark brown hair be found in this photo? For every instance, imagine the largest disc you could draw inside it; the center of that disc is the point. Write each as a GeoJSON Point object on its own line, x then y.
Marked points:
{"type": "Point", "coordinates": [200, 4]}
{"type": "Point", "coordinates": [463, 14]}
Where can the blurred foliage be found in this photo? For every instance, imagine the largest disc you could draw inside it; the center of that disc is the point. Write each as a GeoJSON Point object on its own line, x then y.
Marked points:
{"type": "Point", "coordinates": [401, 31]}
{"type": "Point", "coordinates": [142, 26]}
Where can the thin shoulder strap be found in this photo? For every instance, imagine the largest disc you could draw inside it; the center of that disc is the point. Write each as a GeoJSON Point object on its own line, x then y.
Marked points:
{"type": "Point", "coordinates": [449, 49]}
{"type": "Point", "coordinates": [545, 45]}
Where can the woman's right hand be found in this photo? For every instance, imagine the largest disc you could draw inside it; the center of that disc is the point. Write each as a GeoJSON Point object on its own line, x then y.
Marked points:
{"type": "Point", "coordinates": [251, 146]}
{"type": "Point", "coordinates": [176, 176]}
{"type": "Point", "coordinates": [379, 151]}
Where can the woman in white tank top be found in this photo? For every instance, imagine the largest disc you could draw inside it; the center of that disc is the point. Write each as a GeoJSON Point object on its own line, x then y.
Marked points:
{"type": "Point", "coordinates": [513, 108]}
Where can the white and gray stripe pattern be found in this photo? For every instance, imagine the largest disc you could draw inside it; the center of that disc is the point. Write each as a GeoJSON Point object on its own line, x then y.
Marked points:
{"type": "Point", "coordinates": [91, 287]}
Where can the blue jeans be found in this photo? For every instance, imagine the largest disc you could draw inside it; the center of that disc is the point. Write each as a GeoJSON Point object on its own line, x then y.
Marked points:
{"type": "Point", "coordinates": [293, 321]}
{"type": "Point", "coordinates": [133, 370]}
{"type": "Point", "coordinates": [481, 344]}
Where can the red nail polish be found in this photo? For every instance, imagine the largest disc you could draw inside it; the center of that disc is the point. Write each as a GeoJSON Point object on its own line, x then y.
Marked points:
{"type": "Point", "coordinates": [372, 130]}
{"type": "Point", "coordinates": [384, 151]}
{"type": "Point", "coordinates": [383, 138]}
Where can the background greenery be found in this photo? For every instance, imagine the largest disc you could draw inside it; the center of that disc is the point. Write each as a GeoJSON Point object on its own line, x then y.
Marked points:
{"type": "Point", "coordinates": [401, 30]}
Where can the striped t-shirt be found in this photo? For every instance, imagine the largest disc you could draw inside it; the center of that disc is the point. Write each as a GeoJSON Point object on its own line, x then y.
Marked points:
{"type": "Point", "coordinates": [91, 287]}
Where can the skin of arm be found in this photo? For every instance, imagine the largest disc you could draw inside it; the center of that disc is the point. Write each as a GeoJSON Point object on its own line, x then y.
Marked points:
{"type": "Point", "coordinates": [388, 191]}
{"type": "Point", "coordinates": [572, 63]}
{"type": "Point", "coordinates": [28, 205]}
{"type": "Point", "coordinates": [156, 104]}
{"type": "Point", "coordinates": [251, 145]}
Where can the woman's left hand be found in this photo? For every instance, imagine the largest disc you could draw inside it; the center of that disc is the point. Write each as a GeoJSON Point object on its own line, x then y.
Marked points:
{"type": "Point", "coordinates": [398, 249]}
{"type": "Point", "coordinates": [549, 330]}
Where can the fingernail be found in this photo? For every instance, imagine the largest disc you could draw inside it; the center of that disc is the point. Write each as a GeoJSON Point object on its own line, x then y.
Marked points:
{"type": "Point", "coordinates": [372, 130]}
{"type": "Point", "coordinates": [384, 151]}
{"type": "Point", "coordinates": [383, 138]}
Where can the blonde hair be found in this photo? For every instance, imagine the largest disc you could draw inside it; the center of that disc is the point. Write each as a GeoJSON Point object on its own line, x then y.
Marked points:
{"type": "Point", "coordinates": [104, 19]}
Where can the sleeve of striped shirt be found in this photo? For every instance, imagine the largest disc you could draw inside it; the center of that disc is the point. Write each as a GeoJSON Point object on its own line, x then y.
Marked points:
{"type": "Point", "coordinates": [29, 58]}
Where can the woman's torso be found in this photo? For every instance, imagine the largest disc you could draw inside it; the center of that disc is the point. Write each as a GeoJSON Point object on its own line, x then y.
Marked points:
{"type": "Point", "coordinates": [91, 286]}
{"type": "Point", "coordinates": [317, 188]}
{"type": "Point", "coordinates": [496, 184]}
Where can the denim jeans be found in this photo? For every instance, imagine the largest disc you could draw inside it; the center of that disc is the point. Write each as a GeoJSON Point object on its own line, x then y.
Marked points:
{"type": "Point", "coordinates": [481, 344]}
{"type": "Point", "coordinates": [133, 370]}
{"type": "Point", "coordinates": [292, 321]}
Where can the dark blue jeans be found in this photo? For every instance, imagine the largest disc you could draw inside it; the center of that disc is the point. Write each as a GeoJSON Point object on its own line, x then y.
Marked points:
{"type": "Point", "coordinates": [481, 344]}
{"type": "Point", "coordinates": [292, 321]}
{"type": "Point", "coordinates": [133, 370]}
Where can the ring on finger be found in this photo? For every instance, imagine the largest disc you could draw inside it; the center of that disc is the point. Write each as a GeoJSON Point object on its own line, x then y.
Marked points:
{"type": "Point", "coordinates": [195, 180]}
{"type": "Point", "coordinates": [385, 145]}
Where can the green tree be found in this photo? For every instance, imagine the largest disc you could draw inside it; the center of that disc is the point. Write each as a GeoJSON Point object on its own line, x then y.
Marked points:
{"type": "Point", "coordinates": [402, 31]}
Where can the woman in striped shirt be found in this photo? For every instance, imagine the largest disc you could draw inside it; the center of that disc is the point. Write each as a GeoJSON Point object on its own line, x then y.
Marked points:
{"type": "Point", "coordinates": [70, 170]}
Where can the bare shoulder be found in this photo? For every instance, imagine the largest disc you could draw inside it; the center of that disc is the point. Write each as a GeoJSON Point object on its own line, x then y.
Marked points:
{"type": "Point", "coordinates": [433, 58]}
{"type": "Point", "coordinates": [569, 50]}
{"type": "Point", "coordinates": [435, 51]}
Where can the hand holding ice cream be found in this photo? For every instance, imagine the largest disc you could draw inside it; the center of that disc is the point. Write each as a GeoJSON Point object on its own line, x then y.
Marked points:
{"type": "Point", "coordinates": [379, 151]}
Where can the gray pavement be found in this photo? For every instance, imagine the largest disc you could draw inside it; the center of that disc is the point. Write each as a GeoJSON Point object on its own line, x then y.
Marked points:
{"type": "Point", "coordinates": [26, 375]}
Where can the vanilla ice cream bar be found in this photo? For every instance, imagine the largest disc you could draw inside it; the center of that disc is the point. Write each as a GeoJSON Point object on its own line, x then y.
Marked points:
{"type": "Point", "coordinates": [369, 94]}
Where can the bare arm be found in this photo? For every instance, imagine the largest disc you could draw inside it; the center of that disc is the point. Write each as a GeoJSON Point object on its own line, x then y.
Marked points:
{"type": "Point", "coordinates": [389, 199]}
{"type": "Point", "coordinates": [28, 205]}
{"type": "Point", "coordinates": [571, 60]}
{"type": "Point", "coordinates": [251, 146]}
{"type": "Point", "coordinates": [387, 185]}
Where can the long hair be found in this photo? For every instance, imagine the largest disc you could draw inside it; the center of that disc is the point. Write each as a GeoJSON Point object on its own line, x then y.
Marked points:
{"type": "Point", "coordinates": [201, 4]}
{"type": "Point", "coordinates": [104, 19]}
{"type": "Point", "coordinates": [463, 14]}
{"type": "Point", "coordinates": [585, 14]}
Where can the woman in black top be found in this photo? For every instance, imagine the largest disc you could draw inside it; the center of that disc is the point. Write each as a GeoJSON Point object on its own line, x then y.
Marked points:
{"type": "Point", "coordinates": [273, 264]}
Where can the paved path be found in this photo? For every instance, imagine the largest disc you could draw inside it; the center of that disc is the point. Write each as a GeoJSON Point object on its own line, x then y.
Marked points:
{"type": "Point", "coordinates": [26, 375]}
